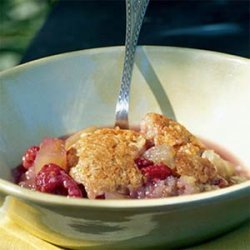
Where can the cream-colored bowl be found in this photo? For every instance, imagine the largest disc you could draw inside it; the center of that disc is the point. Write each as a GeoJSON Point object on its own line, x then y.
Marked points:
{"type": "Point", "coordinates": [210, 95]}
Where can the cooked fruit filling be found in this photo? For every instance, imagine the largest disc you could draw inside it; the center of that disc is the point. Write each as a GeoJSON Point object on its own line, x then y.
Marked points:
{"type": "Point", "coordinates": [162, 159]}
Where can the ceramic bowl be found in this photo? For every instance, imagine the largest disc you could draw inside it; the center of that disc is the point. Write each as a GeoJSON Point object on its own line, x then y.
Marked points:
{"type": "Point", "coordinates": [209, 93]}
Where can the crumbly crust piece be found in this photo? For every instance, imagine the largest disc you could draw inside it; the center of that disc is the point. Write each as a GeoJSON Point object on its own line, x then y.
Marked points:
{"type": "Point", "coordinates": [163, 130]}
{"type": "Point", "coordinates": [188, 149]}
{"type": "Point", "coordinates": [193, 165]}
{"type": "Point", "coordinates": [106, 161]}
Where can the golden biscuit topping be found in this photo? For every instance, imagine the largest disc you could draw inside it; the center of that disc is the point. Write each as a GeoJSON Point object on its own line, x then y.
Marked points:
{"type": "Point", "coordinates": [163, 130]}
{"type": "Point", "coordinates": [188, 149]}
{"type": "Point", "coordinates": [106, 161]}
{"type": "Point", "coordinates": [193, 165]}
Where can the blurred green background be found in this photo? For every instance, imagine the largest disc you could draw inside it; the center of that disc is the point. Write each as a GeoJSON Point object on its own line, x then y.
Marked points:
{"type": "Point", "coordinates": [19, 21]}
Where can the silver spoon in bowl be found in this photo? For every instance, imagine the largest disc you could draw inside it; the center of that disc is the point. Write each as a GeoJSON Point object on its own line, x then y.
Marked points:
{"type": "Point", "coordinates": [135, 11]}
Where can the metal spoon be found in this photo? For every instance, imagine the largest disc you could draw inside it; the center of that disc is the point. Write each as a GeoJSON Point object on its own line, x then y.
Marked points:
{"type": "Point", "coordinates": [135, 11]}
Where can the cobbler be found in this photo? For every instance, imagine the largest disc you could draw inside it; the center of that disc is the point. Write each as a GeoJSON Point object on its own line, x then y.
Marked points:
{"type": "Point", "coordinates": [161, 159]}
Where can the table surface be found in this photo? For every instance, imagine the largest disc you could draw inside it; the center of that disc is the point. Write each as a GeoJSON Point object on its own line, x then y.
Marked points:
{"type": "Point", "coordinates": [218, 25]}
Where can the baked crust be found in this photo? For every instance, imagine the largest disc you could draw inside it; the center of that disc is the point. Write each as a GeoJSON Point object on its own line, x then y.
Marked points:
{"type": "Point", "coordinates": [193, 165]}
{"type": "Point", "coordinates": [163, 130]}
{"type": "Point", "coordinates": [106, 161]}
{"type": "Point", "coordinates": [188, 149]}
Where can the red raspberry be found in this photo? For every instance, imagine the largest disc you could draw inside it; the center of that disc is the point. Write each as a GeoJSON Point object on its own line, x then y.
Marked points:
{"type": "Point", "coordinates": [142, 162]}
{"type": "Point", "coordinates": [17, 173]}
{"type": "Point", "coordinates": [54, 180]}
{"type": "Point", "coordinates": [156, 172]}
{"type": "Point", "coordinates": [149, 144]}
{"type": "Point", "coordinates": [100, 197]}
{"type": "Point", "coordinates": [30, 156]}
{"type": "Point", "coordinates": [83, 190]}
{"type": "Point", "coordinates": [221, 182]}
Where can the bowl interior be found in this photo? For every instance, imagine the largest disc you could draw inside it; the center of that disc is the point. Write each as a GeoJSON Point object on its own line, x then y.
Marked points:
{"type": "Point", "coordinates": [209, 93]}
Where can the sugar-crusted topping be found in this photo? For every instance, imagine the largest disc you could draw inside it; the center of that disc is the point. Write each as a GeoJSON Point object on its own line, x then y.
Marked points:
{"type": "Point", "coordinates": [106, 161]}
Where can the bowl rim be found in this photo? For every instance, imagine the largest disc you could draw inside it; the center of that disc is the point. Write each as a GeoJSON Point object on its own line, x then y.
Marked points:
{"type": "Point", "coordinates": [9, 188]}
{"type": "Point", "coordinates": [92, 51]}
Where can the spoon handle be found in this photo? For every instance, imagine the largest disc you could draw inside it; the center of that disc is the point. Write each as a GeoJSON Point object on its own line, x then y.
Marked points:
{"type": "Point", "coordinates": [135, 11]}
